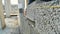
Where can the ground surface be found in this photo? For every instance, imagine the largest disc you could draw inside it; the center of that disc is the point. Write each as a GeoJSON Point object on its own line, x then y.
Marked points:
{"type": "Point", "coordinates": [11, 26]}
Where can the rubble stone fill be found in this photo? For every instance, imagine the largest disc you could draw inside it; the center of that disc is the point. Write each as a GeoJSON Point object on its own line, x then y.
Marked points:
{"type": "Point", "coordinates": [47, 20]}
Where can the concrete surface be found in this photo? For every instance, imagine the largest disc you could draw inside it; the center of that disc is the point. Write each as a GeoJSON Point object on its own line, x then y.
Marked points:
{"type": "Point", "coordinates": [11, 26]}
{"type": "Point", "coordinates": [8, 30]}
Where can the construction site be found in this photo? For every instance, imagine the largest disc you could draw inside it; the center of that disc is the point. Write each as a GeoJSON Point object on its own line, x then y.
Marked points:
{"type": "Point", "coordinates": [29, 16]}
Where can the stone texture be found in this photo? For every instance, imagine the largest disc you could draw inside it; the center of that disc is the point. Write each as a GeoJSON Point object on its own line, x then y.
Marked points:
{"type": "Point", "coordinates": [47, 20]}
{"type": "Point", "coordinates": [30, 11]}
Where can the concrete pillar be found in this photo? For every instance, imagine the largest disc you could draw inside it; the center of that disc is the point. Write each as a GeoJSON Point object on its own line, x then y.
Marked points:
{"type": "Point", "coordinates": [7, 7]}
{"type": "Point", "coordinates": [26, 3]}
{"type": "Point", "coordinates": [2, 19]}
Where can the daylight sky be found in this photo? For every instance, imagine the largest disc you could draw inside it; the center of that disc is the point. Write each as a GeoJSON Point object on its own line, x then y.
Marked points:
{"type": "Point", "coordinates": [13, 2]}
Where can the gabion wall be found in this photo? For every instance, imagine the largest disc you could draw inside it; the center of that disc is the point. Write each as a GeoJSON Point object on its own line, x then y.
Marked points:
{"type": "Point", "coordinates": [47, 20]}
